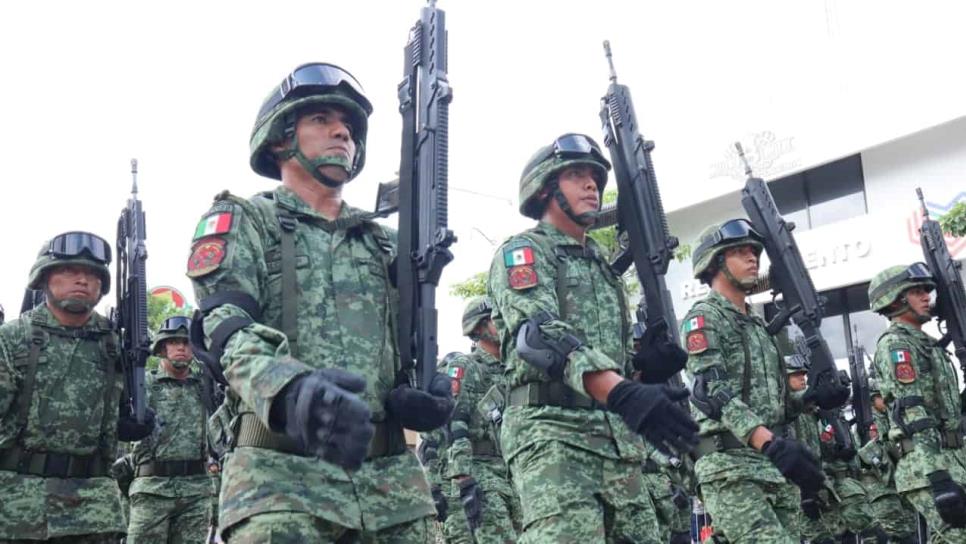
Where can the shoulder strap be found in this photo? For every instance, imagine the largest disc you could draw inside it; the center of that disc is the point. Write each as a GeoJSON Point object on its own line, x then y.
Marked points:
{"type": "Point", "coordinates": [37, 340]}
{"type": "Point", "coordinates": [290, 288]}
{"type": "Point", "coordinates": [109, 345]}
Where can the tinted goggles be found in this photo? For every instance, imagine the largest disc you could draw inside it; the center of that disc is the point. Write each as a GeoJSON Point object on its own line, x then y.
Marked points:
{"type": "Point", "coordinates": [576, 146]}
{"type": "Point", "coordinates": [914, 273]}
{"type": "Point", "coordinates": [311, 78]}
{"type": "Point", "coordinates": [736, 229]}
{"type": "Point", "coordinates": [172, 324]}
{"type": "Point", "coordinates": [78, 244]}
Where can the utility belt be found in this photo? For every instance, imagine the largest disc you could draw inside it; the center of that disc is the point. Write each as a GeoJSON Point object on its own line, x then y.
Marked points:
{"type": "Point", "coordinates": [725, 441]}
{"type": "Point", "coordinates": [948, 440]}
{"type": "Point", "coordinates": [842, 472]}
{"type": "Point", "coordinates": [485, 448]}
{"type": "Point", "coordinates": [53, 465]}
{"type": "Point", "coordinates": [551, 394]}
{"type": "Point", "coordinates": [387, 440]}
{"type": "Point", "coordinates": [191, 467]}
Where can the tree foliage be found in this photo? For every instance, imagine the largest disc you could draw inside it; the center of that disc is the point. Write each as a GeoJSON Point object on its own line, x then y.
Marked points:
{"type": "Point", "coordinates": [474, 286]}
{"type": "Point", "coordinates": [954, 221]}
{"type": "Point", "coordinates": [160, 309]}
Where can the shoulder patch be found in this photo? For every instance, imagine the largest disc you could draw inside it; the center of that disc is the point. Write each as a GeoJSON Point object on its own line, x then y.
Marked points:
{"type": "Point", "coordinates": [522, 276]}
{"type": "Point", "coordinates": [455, 375]}
{"type": "Point", "coordinates": [206, 256]}
{"type": "Point", "coordinates": [518, 253]}
{"type": "Point", "coordinates": [693, 324]}
{"type": "Point", "coordinates": [697, 342]}
{"type": "Point", "coordinates": [903, 369]}
{"type": "Point", "coordinates": [212, 224]}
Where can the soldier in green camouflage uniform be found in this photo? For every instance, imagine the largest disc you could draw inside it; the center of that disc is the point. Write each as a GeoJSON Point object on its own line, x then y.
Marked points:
{"type": "Point", "coordinates": [664, 479]}
{"type": "Point", "coordinates": [921, 389]}
{"type": "Point", "coordinates": [60, 388]}
{"type": "Point", "coordinates": [475, 468]}
{"type": "Point", "coordinates": [171, 492]}
{"type": "Point", "coordinates": [745, 466]}
{"type": "Point", "coordinates": [570, 429]}
{"type": "Point", "coordinates": [896, 516]}
{"type": "Point", "coordinates": [299, 309]}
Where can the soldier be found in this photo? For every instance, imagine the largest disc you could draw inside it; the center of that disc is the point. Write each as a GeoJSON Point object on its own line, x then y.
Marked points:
{"type": "Point", "coordinates": [921, 389]}
{"type": "Point", "coordinates": [475, 465]}
{"type": "Point", "coordinates": [60, 389]}
{"type": "Point", "coordinates": [570, 429]}
{"type": "Point", "coordinates": [299, 309]}
{"type": "Point", "coordinates": [172, 491]}
{"type": "Point", "coordinates": [877, 463]}
{"type": "Point", "coordinates": [740, 398]}
{"type": "Point", "coordinates": [664, 478]}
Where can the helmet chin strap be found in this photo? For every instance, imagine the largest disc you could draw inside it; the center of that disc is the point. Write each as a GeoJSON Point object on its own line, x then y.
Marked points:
{"type": "Point", "coordinates": [904, 307]}
{"type": "Point", "coordinates": [585, 219]}
{"type": "Point", "coordinates": [747, 286]}
{"type": "Point", "coordinates": [312, 165]}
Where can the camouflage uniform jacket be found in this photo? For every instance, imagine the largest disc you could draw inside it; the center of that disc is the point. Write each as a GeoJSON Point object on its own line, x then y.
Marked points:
{"type": "Point", "coordinates": [586, 297]}
{"type": "Point", "coordinates": [183, 418]}
{"type": "Point", "coordinates": [736, 348]}
{"type": "Point", "coordinates": [911, 364]}
{"type": "Point", "coordinates": [471, 429]}
{"type": "Point", "coordinates": [73, 410]}
{"type": "Point", "coordinates": [346, 310]}
{"type": "Point", "coordinates": [877, 466]}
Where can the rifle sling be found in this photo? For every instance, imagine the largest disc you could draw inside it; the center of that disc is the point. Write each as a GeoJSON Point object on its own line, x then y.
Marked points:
{"type": "Point", "coordinates": [290, 288]}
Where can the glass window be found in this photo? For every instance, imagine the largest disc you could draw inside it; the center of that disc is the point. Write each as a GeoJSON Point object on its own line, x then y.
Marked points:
{"type": "Point", "coordinates": [825, 194]}
{"type": "Point", "coordinates": [789, 195]}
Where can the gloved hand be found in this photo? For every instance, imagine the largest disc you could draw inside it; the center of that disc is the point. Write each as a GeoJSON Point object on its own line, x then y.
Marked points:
{"type": "Point", "coordinates": [811, 506]}
{"type": "Point", "coordinates": [949, 497]}
{"type": "Point", "coordinates": [471, 495]}
{"type": "Point", "coordinates": [421, 411]}
{"type": "Point", "coordinates": [680, 537]}
{"type": "Point", "coordinates": [679, 496]}
{"type": "Point", "coordinates": [442, 507]}
{"type": "Point", "coordinates": [653, 412]}
{"type": "Point", "coordinates": [796, 463]}
{"type": "Point", "coordinates": [322, 412]}
{"type": "Point", "coordinates": [128, 428]}
{"type": "Point", "coordinates": [659, 357]}
{"type": "Point", "coordinates": [122, 470]}
{"type": "Point", "coordinates": [830, 390]}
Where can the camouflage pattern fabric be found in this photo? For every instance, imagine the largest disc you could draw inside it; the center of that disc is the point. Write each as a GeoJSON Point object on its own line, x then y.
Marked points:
{"type": "Point", "coordinates": [660, 479]}
{"type": "Point", "coordinates": [172, 508]}
{"type": "Point", "coordinates": [718, 336]}
{"type": "Point", "coordinates": [891, 512]}
{"type": "Point", "coordinates": [73, 539]}
{"type": "Point", "coordinates": [73, 410]}
{"type": "Point", "coordinates": [576, 471]}
{"type": "Point", "coordinates": [849, 505]}
{"type": "Point", "coordinates": [910, 363]}
{"type": "Point", "coordinates": [345, 310]}
{"type": "Point", "coordinates": [299, 528]}
{"type": "Point", "coordinates": [474, 375]}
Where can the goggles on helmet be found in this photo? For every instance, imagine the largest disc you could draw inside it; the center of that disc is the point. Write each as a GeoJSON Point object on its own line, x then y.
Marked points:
{"type": "Point", "coordinates": [76, 244]}
{"type": "Point", "coordinates": [914, 273]}
{"type": "Point", "coordinates": [736, 229]}
{"type": "Point", "coordinates": [576, 146]}
{"type": "Point", "coordinates": [172, 324]}
{"type": "Point", "coordinates": [311, 78]}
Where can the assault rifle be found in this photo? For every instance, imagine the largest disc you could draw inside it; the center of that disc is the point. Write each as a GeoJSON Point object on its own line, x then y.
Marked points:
{"type": "Point", "coordinates": [861, 395]}
{"type": "Point", "coordinates": [950, 295]}
{"type": "Point", "coordinates": [789, 278]}
{"type": "Point", "coordinates": [131, 315]}
{"type": "Point", "coordinates": [640, 212]}
{"type": "Point", "coordinates": [424, 239]}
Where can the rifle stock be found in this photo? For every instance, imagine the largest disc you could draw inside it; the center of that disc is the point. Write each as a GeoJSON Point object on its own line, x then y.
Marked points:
{"type": "Point", "coordinates": [424, 238]}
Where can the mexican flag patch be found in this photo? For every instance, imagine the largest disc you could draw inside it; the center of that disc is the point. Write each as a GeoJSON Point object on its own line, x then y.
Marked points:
{"type": "Point", "coordinates": [456, 373]}
{"type": "Point", "coordinates": [693, 324]}
{"type": "Point", "coordinates": [901, 356]}
{"type": "Point", "coordinates": [518, 256]}
{"type": "Point", "coordinates": [216, 223]}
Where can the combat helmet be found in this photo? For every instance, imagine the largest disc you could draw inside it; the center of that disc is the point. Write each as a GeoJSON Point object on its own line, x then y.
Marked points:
{"type": "Point", "coordinates": [708, 254]}
{"type": "Point", "coordinates": [173, 327]}
{"type": "Point", "coordinates": [542, 168]}
{"type": "Point", "coordinates": [889, 285]}
{"type": "Point", "coordinates": [795, 363]}
{"type": "Point", "coordinates": [72, 248]}
{"type": "Point", "coordinates": [477, 309]}
{"type": "Point", "coordinates": [309, 84]}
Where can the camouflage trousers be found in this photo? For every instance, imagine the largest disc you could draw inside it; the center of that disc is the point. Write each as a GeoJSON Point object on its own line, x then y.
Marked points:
{"type": "Point", "coordinates": [747, 510]}
{"type": "Point", "coordinates": [501, 509]}
{"type": "Point", "coordinates": [670, 518]}
{"type": "Point", "coordinates": [176, 520]}
{"type": "Point", "coordinates": [111, 538]}
{"type": "Point", "coordinates": [939, 532]}
{"type": "Point", "coordinates": [455, 528]}
{"type": "Point", "coordinates": [569, 495]}
{"type": "Point", "coordinates": [896, 516]}
{"type": "Point", "coordinates": [845, 510]}
{"type": "Point", "coordinates": [299, 527]}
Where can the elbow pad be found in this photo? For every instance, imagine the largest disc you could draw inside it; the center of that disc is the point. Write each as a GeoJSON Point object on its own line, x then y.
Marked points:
{"type": "Point", "coordinates": [547, 354]}
{"type": "Point", "coordinates": [710, 405]}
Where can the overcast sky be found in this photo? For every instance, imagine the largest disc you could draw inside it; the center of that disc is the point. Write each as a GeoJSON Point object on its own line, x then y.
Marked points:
{"type": "Point", "coordinates": [89, 85]}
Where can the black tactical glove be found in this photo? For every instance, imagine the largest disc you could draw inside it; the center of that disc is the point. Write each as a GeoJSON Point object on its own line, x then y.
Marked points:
{"type": "Point", "coordinates": [471, 495]}
{"type": "Point", "coordinates": [421, 411]}
{"type": "Point", "coordinates": [796, 463]}
{"type": "Point", "coordinates": [323, 414]}
{"type": "Point", "coordinates": [680, 537]}
{"type": "Point", "coordinates": [811, 506]}
{"type": "Point", "coordinates": [122, 471]}
{"type": "Point", "coordinates": [653, 412]}
{"type": "Point", "coordinates": [949, 497]}
{"type": "Point", "coordinates": [442, 507]}
{"type": "Point", "coordinates": [679, 496]}
{"type": "Point", "coordinates": [830, 390]}
{"type": "Point", "coordinates": [659, 357]}
{"type": "Point", "coordinates": [128, 428]}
